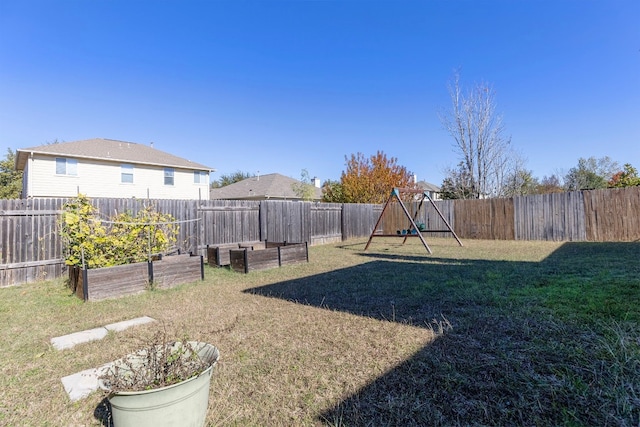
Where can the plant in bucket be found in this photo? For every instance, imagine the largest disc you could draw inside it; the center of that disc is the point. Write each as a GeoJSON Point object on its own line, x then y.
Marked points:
{"type": "Point", "coordinates": [166, 383]}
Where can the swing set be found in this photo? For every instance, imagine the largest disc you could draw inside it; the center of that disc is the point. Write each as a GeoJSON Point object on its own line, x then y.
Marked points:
{"type": "Point", "coordinates": [414, 230]}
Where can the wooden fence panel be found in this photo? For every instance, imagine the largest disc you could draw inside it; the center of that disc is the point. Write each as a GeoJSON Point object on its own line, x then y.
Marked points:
{"type": "Point", "coordinates": [556, 217]}
{"type": "Point", "coordinates": [358, 219]}
{"type": "Point", "coordinates": [432, 220]}
{"type": "Point", "coordinates": [491, 219]}
{"type": "Point", "coordinates": [326, 223]}
{"type": "Point", "coordinates": [394, 219]}
{"type": "Point", "coordinates": [111, 207]}
{"type": "Point", "coordinates": [29, 242]}
{"type": "Point", "coordinates": [230, 221]}
{"type": "Point", "coordinates": [612, 215]}
{"type": "Point", "coordinates": [285, 221]}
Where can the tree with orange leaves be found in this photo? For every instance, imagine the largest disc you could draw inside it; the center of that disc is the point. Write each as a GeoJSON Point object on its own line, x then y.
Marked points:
{"type": "Point", "coordinates": [370, 180]}
{"type": "Point", "coordinates": [625, 178]}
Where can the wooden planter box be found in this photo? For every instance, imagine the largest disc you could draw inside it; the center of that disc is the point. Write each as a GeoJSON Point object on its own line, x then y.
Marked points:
{"type": "Point", "coordinates": [175, 270]}
{"type": "Point", "coordinates": [110, 282]}
{"type": "Point", "coordinates": [275, 254]}
{"type": "Point", "coordinates": [218, 255]}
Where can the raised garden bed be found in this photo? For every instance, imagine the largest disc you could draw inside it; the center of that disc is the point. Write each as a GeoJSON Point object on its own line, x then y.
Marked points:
{"type": "Point", "coordinates": [108, 282]}
{"type": "Point", "coordinates": [171, 271]}
{"type": "Point", "coordinates": [218, 255]}
{"type": "Point", "coordinates": [274, 254]}
{"type": "Point", "coordinates": [120, 280]}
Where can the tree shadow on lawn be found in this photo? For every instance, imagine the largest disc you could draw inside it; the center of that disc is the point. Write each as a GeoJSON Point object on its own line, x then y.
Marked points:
{"type": "Point", "coordinates": [509, 359]}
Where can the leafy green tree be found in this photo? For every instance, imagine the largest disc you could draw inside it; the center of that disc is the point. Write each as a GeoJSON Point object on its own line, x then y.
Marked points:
{"type": "Point", "coordinates": [332, 192]}
{"type": "Point", "coordinates": [370, 180]}
{"type": "Point", "coordinates": [304, 189]}
{"type": "Point", "coordinates": [232, 178]}
{"type": "Point", "coordinates": [10, 179]}
{"type": "Point", "coordinates": [625, 178]}
{"type": "Point", "coordinates": [591, 174]}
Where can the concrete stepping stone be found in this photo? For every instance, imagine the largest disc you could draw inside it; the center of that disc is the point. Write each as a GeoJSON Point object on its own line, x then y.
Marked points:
{"type": "Point", "coordinates": [83, 383]}
{"type": "Point", "coordinates": [71, 340]}
{"type": "Point", "coordinates": [125, 324]}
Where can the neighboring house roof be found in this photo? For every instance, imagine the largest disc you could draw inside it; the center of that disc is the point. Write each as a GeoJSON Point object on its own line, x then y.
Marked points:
{"type": "Point", "coordinates": [109, 150]}
{"type": "Point", "coordinates": [427, 186]}
{"type": "Point", "coordinates": [271, 186]}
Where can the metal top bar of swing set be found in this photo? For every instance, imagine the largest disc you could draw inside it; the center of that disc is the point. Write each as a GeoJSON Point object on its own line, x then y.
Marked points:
{"type": "Point", "coordinates": [396, 192]}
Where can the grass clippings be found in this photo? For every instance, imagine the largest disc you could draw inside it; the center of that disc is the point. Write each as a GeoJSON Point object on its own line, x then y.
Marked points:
{"type": "Point", "coordinates": [492, 333]}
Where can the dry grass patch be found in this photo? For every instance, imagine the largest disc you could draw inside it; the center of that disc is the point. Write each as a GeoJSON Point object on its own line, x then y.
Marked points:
{"type": "Point", "coordinates": [350, 338]}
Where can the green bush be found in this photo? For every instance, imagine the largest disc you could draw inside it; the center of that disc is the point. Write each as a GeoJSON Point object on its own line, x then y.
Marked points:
{"type": "Point", "coordinates": [125, 238]}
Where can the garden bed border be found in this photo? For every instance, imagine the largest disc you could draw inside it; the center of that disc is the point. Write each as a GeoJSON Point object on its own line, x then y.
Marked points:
{"type": "Point", "coordinates": [275, 254]}
{"type": "Point", "coordinates": [108, 282]}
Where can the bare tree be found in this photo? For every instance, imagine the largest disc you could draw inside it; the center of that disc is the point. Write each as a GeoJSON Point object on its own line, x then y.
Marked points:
{"type": "Point", "coordinates": [485, 153]}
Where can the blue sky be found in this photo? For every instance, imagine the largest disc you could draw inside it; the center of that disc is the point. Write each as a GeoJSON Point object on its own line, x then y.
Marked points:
{"type": "Point", "coordinates": [268, 86]}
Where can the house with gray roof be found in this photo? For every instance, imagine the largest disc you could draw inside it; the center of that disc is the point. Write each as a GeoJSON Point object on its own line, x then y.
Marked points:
{"type": "Point", "coordinates": [431, 189]}
{"type": "Point", "coordinates": [109, 168]}
{"type": "Point", "coordinates": [265, 187]}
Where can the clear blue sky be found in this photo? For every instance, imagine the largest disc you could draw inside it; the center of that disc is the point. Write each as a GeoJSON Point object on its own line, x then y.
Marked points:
{"type": "Point", "coordinates": [282, 86]}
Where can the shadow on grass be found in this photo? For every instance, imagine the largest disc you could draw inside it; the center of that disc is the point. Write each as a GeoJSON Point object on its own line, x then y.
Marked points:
{"type": "Point", "coordinates": [522, 350]}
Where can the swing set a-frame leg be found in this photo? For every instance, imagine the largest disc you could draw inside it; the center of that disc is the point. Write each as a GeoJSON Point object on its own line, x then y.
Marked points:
{"type": "Point", "coordinates": [443, 218]}
{"type": "Point", "coordinates": [375, 227]}
{"type": "Point", "coordinates": [415, 227]}
{"type": "Point", "coordinates": [395, 193]}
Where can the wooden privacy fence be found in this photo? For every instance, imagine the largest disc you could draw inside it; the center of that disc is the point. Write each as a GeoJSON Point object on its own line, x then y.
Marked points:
{"type": "Point", "coordinates": [557, 217]}
{"type": "Point", "coordinates": [31, 249]}
{"type": "Point", "coordinates": [612, 215]}
{"type": "Point", "coordinates": [609, 215]}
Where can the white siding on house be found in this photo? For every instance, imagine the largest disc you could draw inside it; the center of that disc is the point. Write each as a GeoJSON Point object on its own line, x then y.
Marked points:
{"type": "Point", "coordinates": [434, 195]}
{"type": "Point", "coordinates": [104, 179]}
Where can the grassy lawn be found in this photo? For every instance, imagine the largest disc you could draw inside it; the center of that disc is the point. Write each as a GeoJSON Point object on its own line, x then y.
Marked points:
{"type": "Point", "coordinates": [493, 333]}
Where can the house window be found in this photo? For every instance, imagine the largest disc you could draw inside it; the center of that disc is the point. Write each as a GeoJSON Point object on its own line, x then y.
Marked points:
{"type": "Point", "coordinates": [126, 174]}
{"type": "Point", "coordinates": [66, 166]}
{"type": "Point", "coordinates": [200, 177]}
{"type": "Point", "coordinates": [168, 176]}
